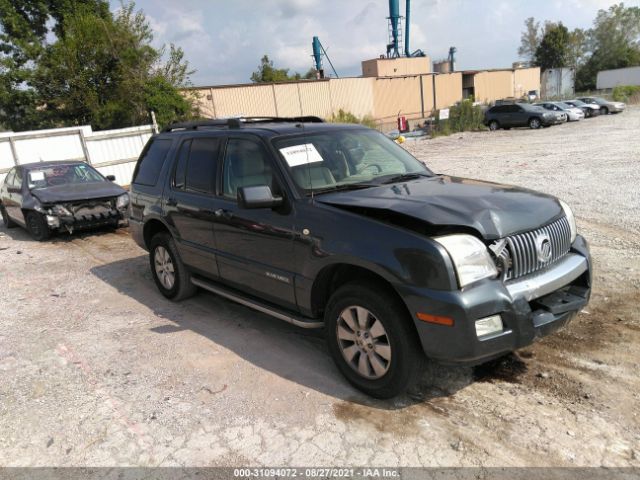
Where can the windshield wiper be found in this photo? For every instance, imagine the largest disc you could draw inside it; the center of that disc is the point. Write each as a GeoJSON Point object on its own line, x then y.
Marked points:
{"type": "Point", "coordinates": [403, 177]}
{"type": "Point", "coordinates": [343, 187]}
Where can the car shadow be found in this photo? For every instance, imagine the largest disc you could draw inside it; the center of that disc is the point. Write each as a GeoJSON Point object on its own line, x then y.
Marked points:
{"type": "Point", "coordinates": [290, 352]}
{"type": "Point", "coordinates": [20, 234]}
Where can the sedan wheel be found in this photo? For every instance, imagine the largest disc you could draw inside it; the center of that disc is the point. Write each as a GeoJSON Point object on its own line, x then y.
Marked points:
{"type": "Point", "coordinates": [5, 218]}
{"type": "Point", "coordinates": [363, 342]}
{"type": "Point", "coordinates": [494, 125]}
{"type": "Point", "coordinates": [534, 123]}
{"type": "Point", "coordinates": [604, 110]}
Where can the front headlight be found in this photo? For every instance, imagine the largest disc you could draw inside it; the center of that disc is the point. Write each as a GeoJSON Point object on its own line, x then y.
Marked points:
{"type": "Point", "coordinates": [470, 257]}
{"type": "Point", "coordinates": [123, 201]}
{"type": "Point", "coordinates": [571, 219]}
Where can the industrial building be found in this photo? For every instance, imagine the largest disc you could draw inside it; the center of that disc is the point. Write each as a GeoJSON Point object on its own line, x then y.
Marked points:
{"type": "Point", "coordinates": [608, 79]}
{"type": "Point", "coordinates": [400, 82]}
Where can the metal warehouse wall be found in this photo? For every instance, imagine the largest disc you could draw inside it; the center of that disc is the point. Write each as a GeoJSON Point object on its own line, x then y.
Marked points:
{"type": "Point", "coordinates": [492, 86]}
{"type": "Point", "coordinates": [448, 89]}
{"type": "Point", "coordinates": [112, 152]}
{"type": "Point", "coordinates": [526, 79]}
{"type": "Point", "coordinates": [396, 95]}
{"type": "Point", "coordinates": [619, 76]}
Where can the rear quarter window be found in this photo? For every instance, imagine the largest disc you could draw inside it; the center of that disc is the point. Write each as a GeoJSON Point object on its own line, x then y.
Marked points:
{"type": "Point", "coordinates": [151, 162]}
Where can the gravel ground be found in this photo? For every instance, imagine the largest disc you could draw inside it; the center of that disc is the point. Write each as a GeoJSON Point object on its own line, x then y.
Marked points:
{"type": "Point", "coordinates": [96, 368]}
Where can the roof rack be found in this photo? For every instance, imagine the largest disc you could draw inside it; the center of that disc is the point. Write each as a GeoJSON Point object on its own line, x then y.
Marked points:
{"type": "Point", "coordinates": [236, 122]}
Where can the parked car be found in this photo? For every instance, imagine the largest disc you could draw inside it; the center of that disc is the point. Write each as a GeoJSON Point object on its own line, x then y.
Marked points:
{"type": "Point", "coordinates": [337, 227]}
{"type": "Point", "coordinates": [573, 113]}
{"type": "Point", "coordinates": [521, 115]}
{"type": "Point", "coordinates": [589, 109]}
{"type": "Point", "coordinates": [48, 197]}
{"type": "Point", "coordinates": [605, 105]}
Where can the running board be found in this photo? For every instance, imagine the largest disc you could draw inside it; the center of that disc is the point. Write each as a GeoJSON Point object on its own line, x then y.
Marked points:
{"type": "Point", "coordinates": [256, 305]}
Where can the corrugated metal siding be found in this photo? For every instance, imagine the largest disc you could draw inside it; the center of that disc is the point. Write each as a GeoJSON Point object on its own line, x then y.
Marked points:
{"type": "Point", "coordinates": [315, 98]}
{"type": "Point", "coordinates": [427, 91]}
{"type": "Point", "coordinates": [254, 100]}
{"type": "Point", "coordinates": [353, 95]}
{"type": "Point", "coordinates": [448, 89]}
{"type": "Point", "coordinates": [526, 79]}
{"type": "Point", "coordinates": [492, 86]}
{"type": "Point", "coordinates": [288, 100]}
{"type": "Point", "coordinates": [397, 95]}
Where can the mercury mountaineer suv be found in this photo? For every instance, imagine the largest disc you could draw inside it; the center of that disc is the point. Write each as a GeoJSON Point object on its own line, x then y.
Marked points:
{"type": "Point", "coordinates": [337, 227]}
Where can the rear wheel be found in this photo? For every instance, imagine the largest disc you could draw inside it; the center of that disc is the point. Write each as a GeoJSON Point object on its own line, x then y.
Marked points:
{"type": "Point", "coordinates": [372, 341]}
{"type": "Point", "coordinates": [5, 218]}
{"type": "Point", "coordinates": [170, 274]}
{"type": "Point", "coordinates": [535, 123]}
{"type": "Point", "coordinates": [494, 125]}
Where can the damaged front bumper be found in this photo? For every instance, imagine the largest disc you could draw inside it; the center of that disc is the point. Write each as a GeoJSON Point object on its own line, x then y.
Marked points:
{"type": "Point", "coordinates": [67, 218]}
{"type": "Point", "coordinates": [528, 308]}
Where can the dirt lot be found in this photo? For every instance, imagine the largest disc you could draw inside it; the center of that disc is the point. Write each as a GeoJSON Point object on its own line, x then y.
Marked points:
{"type": "Point", "coordinates": [96, 368]}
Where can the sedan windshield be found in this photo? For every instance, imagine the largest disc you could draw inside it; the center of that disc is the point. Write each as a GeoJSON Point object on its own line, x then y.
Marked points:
{"type": "Point", "coordinates": [343, 159]}
{"type": "Point", "coordinates": [53, 175]}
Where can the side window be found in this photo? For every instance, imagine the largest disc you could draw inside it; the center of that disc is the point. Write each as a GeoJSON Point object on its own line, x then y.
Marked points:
{"type": "Point", "coordinates": [17, 180]}
{"type": "Point", "coordinates": [180, 175]}
{"type": "Point", "coordinates": [151, 162]}
{"type": "Point", "coordinates": [8, 181]}
{"type": "Point", "coordinates": [201, 165]}
{"type": "Point", "coordinates": [246, 164]}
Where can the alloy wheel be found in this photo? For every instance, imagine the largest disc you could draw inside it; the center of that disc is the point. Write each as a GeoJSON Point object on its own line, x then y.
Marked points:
{"type": "Point", "coordinates": [364, 342]}
{"type": "Point", "coordinates": [165, 270]}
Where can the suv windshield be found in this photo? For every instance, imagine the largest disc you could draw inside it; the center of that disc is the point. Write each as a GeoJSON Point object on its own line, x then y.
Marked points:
{"type": "Point", "coordinates": [51, 176]}
{"type": "Point", "coordinates": [351, 158]}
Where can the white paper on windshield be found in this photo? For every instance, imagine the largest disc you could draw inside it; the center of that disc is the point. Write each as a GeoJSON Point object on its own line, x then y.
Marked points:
{"type": "Point", "coordinates": [301, 154]}
{"type": "Point", "coordinates": [37, 176]}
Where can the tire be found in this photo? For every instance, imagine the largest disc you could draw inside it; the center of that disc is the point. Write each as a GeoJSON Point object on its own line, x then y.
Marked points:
{"type": "Point", "coordinates": [604, 110]}
{"type": "Point", "coordinates": [5, 218]}
{"type": "Point", "coordinates": [588, 113]}
{"type": "Point", "coordinates": [37, 226]}
{"type": "Point", "coordinates": [494, 125]}
{"type": "Point", "coordinates": [384, 330]}
{"type": "Point", "coordinates": [170, 274]}
{"type": "Point", "coordinates": [507, 128]}
{"type": "Point", "coordinates": [534, 123]}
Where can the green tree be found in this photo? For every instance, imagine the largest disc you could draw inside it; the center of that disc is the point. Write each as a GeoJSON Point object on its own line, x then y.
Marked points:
{"type": "Point", "coordinates": [530, 39]}
{"type": "Point", "coordinates": [613, 42]}
{"type": "Point", "coordinates": [554, 48]}
{"type": "Point", "coordinates": [100, 70]}
{"type": "Point", "coordinates": [267, 73]}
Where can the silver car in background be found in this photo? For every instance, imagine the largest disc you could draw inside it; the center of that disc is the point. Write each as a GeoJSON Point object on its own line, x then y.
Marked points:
{"type": "Point", "coordinates": [589, 109]}
{"type": "Point", "coordinates": [606, 106]}
{"type": "Point", "coordinates": [573, 114]}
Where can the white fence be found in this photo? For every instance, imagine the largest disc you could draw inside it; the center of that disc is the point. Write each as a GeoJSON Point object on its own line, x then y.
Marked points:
{"type": "Point", "coordinates": [112, 152]}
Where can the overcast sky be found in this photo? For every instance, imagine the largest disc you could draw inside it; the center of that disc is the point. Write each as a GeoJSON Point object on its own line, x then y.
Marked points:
{"type": "Point", "coordinates": [225, 39]}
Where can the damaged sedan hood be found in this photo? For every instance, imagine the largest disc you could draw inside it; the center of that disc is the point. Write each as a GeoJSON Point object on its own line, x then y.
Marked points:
{"type": "Point", "coordinates": [493, 210]}
{"type": "Point", "coordinates": [77, 191]}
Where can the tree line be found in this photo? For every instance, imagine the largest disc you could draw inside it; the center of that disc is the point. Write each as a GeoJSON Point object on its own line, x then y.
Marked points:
{"type": "Point", "coordinates": [74, 62]}
{"type": "Point", "coordinates": [612, 42]}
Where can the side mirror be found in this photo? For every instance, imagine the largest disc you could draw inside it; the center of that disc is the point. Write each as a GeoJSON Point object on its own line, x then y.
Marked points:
{"type": "Point", "coordinates": [257, 197]}
{"type": "Point", "coordinates": [111, 178]}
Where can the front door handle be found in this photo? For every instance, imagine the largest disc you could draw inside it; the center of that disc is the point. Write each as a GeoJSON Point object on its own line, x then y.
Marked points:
{"type": "Point", "coordinates": [222, 213]}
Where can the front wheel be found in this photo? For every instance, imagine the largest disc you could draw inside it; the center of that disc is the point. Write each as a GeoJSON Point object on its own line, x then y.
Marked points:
{"type": "Point", "coordinates": [535, 123]}
{"type": "Point", "coordinates": [6, 219]}
{"type": "Point", "coordinates": [37, 226]}
{"type": "Point", "coordinates": [169, 273]}
{"type": "Point", "coordinates": [604, 110]}
{"type": "Point", "coordinates": [372, 340]}
{"type": "Point", "coordinates": [494, 125]}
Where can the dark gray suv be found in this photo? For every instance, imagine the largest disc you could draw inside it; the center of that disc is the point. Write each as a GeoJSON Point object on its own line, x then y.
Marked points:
{"type": "Point", "coordinates": [337, 227]}
{"type": "Point", "coordinates": [521, 115]}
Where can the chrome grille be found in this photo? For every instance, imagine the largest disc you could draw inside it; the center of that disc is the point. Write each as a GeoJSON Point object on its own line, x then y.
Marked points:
{"type": "Point", "coordinates": [523, 251]}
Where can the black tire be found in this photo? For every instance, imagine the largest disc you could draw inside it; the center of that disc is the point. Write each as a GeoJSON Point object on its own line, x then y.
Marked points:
{"type": "Point", "coordinates": [5, 218]}
{"type": "Point", "coordinates": [181, 287]}
{"type": "Point", "coordinates": [604, 110]}
{"type": "Point", "coordinates": [535, 123]}
{"type": "Point", "coordinates": [494, 125]}
{"type": "Point", "coordinates": [400, 341]}
{"type": "Point", "coordinates": [507, 128]}
{"type": "Point", "coordinates": [37, 226]}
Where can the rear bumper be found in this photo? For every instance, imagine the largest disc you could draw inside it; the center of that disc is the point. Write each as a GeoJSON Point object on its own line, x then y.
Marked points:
{"type": "Point", "coordinates": [530, 308]}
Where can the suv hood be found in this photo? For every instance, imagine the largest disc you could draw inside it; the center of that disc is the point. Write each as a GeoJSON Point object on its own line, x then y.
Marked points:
{"type": "Point", "coordinates": [493, 210]}
{"type": "Point", "coordinates": [77, 191]}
